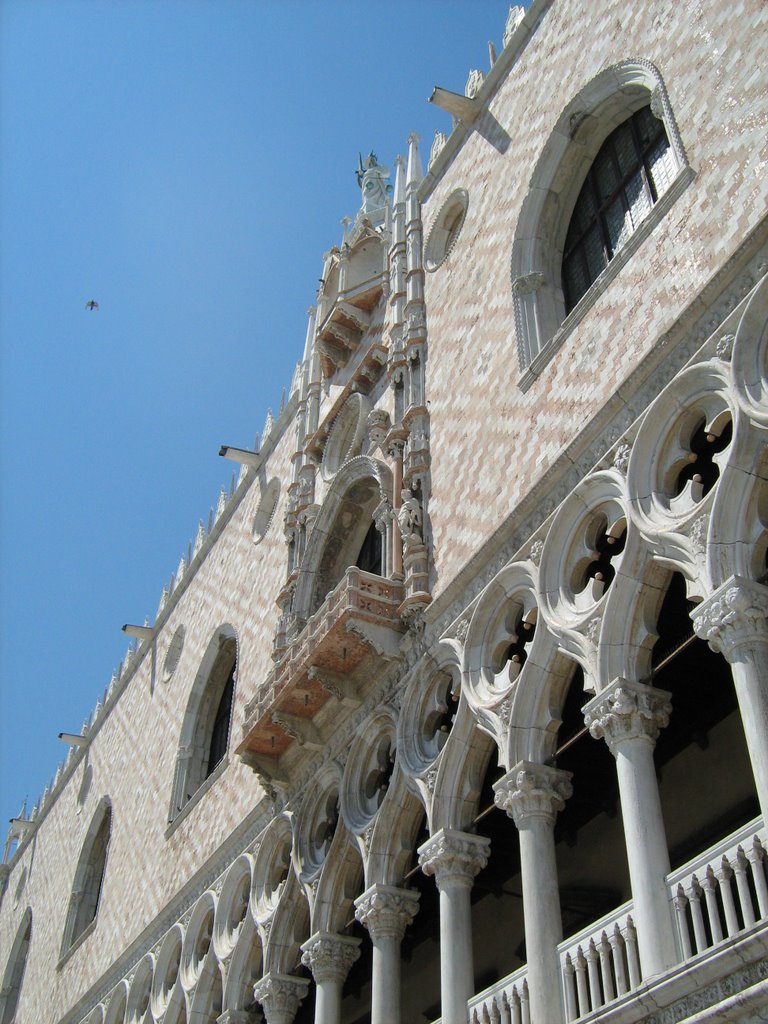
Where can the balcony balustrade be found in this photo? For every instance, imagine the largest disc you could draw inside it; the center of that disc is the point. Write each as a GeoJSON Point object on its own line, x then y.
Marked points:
{"type": "Point", "coordinates": [600, 963]}
{"type": "Point", "coordinates": [718, 897]}
{"type": "Point", "coordinates": [721, 892]}
{"type": "Point", "coordinates": [358, 620]}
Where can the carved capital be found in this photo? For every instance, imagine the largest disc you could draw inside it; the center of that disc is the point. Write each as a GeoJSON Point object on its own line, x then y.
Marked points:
{"type": "Point", "coordinates": [382, 515]}
{"type": "Point", "coordinates": [240, 1017]}
{"type": "Point", "coordinates": [533, 793]}
{"type": "Point", "coordinates": [280, 995]}
{"type": "Point", "coordinates": [395, 447]}
{"type": "Point", "coordinates": [527, 284]}
{"type": "Point", "coordinates": [734, 617]}
{"type": "Point", "coordinates": [386, 911]}
{"type": "Point", "coordinates": [454, 858]}
{"type": "Point", "coordinates": [378, 425]}
{"type": "Point", "coordinates": [330, 957]}
{"type": "Point", "coordinates": [626, 711]}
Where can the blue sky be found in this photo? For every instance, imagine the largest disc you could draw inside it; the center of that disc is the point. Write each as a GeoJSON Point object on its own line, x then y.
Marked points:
{"type": "Point", "coordinates": [185, 164]}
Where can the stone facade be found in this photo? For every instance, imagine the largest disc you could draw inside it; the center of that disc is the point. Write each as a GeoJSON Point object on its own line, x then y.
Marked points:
{"type": "Point", "coordinates": [489, 605]}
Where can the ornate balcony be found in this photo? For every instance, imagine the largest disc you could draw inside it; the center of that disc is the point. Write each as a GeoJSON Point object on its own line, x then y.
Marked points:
{"type": "Point", "coordinates": [359, 619]}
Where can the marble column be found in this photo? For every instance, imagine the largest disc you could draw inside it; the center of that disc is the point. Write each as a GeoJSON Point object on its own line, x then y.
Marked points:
{"type": "Point", "coordinates": [454, 858]}
{"type": "Point", "coordinates": [396, 448]}
{"type": "Point", "coordinates": [629, 717]}
{"type": "Point", "coordinates": [532, 794]}
{"type": "Point", "coordinates": [280, 995]}
{"type": "Point", "coordinates": [386, 912]}
{"type": "Point", "coordinates": [733, 622]}
{"type": "Point", "coordinates": [329, 957]}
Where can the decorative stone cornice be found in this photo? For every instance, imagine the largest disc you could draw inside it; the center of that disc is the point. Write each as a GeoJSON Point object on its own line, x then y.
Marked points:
{"type": "Point", "coordinates": [386, 911]}
{"type": "Point", "coordinates": [626, 711]}
{"type": "Point", "coordinates": [532, 793]}
{"type": "Point", "coordinates": [453, 857]}
{"type": "Point", "coordinates": [330, 957]}
{"type": "Point", "coordinates": [280, 995]}
{"type": "Point", "coordinates": [734, 617]}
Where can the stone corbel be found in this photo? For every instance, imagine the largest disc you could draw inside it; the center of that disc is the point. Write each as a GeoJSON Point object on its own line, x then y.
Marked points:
{"type": "Point", "coordinates": [337, 684]}
{"type": "Point", "coordinates": [302, 730]}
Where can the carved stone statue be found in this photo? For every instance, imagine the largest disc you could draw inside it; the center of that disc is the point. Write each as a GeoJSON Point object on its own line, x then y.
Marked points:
{"type": "Point", "coordinates": [409, 518]}
{"type": "Point", "coordinates": [372, 178]}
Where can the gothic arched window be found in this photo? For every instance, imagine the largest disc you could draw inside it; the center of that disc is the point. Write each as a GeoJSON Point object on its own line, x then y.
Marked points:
{"type": "Point", "coordinates": [369, 556]}
{"type": "Point", "coordinates": [632, 169]}
{"type": "Point", "coordinates": [89, 876]}
{"type": "Point", "coordinates": [220, 731]}
{"type": "Point", "coordinates": [612, 168]}
{"type": "Point", "coordinates": [206, 725]}
{"type": "Point", "coordinates": [14, 971]}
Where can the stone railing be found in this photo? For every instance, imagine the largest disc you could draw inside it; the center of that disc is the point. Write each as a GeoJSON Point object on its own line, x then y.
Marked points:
{"type": "Point", "coordinates": [722, 891]}
{"type": "Point", "coordinates": [506, 1002]}
{"type": "Point", "coordinates": [600, 963]}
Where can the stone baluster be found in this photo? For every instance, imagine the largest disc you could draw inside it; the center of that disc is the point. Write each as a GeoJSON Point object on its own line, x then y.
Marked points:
{"type": "Point", "coordinates": [454, 858]}
{"type": "Point", "coordinates": [733, 622]}
{"type": "Point", "coordinates": [280, 995]}
{"type": "Point", "coordinates": [329, 957]}
{"type": "Point", "coordinates": [386, 912]}
{"type": "Point", "coordinates": [532, 794]}
{"type": "Point", "coordinates": [629, 717]}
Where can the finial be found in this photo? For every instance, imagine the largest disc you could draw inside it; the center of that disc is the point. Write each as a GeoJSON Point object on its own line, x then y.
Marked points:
{"type": "Point", "coordinates": [415, 173]}
{"type": "Point", "coordinates": [399, 196]}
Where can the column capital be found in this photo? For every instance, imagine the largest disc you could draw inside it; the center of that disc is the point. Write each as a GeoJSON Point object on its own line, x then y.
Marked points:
{"type": "Point", "coordinates": [626, 711]}
{"type": "Point", "coordinates": [330, 957]}
{"type": "Point", "coordinates": [386, 911]}
{"type": "Point", "coordinates": [733, 617]}
{"type": "Point", "coordinates": [453, 857]}
{"type": "Point", "coordinates": [533, 792]}
{"type": "Point", "coordinates": [280, 995]}
{"type": "Point", "coordinates": [395, 447]}
{"type": "Point", "coordinates": [240, 1017]}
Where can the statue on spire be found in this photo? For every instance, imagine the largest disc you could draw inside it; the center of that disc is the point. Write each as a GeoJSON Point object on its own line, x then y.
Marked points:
{"type": "Point", "coordinates": [372, 178]}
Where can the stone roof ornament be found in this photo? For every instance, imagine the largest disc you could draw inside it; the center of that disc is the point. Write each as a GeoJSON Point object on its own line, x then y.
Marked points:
{"type": "Point", "coordinates": [474, 83]}
{"type": "Point", "coordinates": [515, 16]}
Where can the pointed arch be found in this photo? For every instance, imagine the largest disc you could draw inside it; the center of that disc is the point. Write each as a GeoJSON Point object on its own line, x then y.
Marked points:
{"type": "Point", "coordinates": [604, 103]}
{"type": "Point", "coordinates": [207, 721]}
{"type": "Point", "coordinates": [340, 529]}
{"type": "Point", "coordinates": [13, 976]}
{"type": "Point", "coordinates": [89, 876]}
{"type": "Point", "coordinates": [340, 882]}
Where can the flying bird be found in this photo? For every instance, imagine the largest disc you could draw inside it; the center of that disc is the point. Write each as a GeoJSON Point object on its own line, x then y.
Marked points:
{"type": "Point", "coordinates": [91, 304]}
